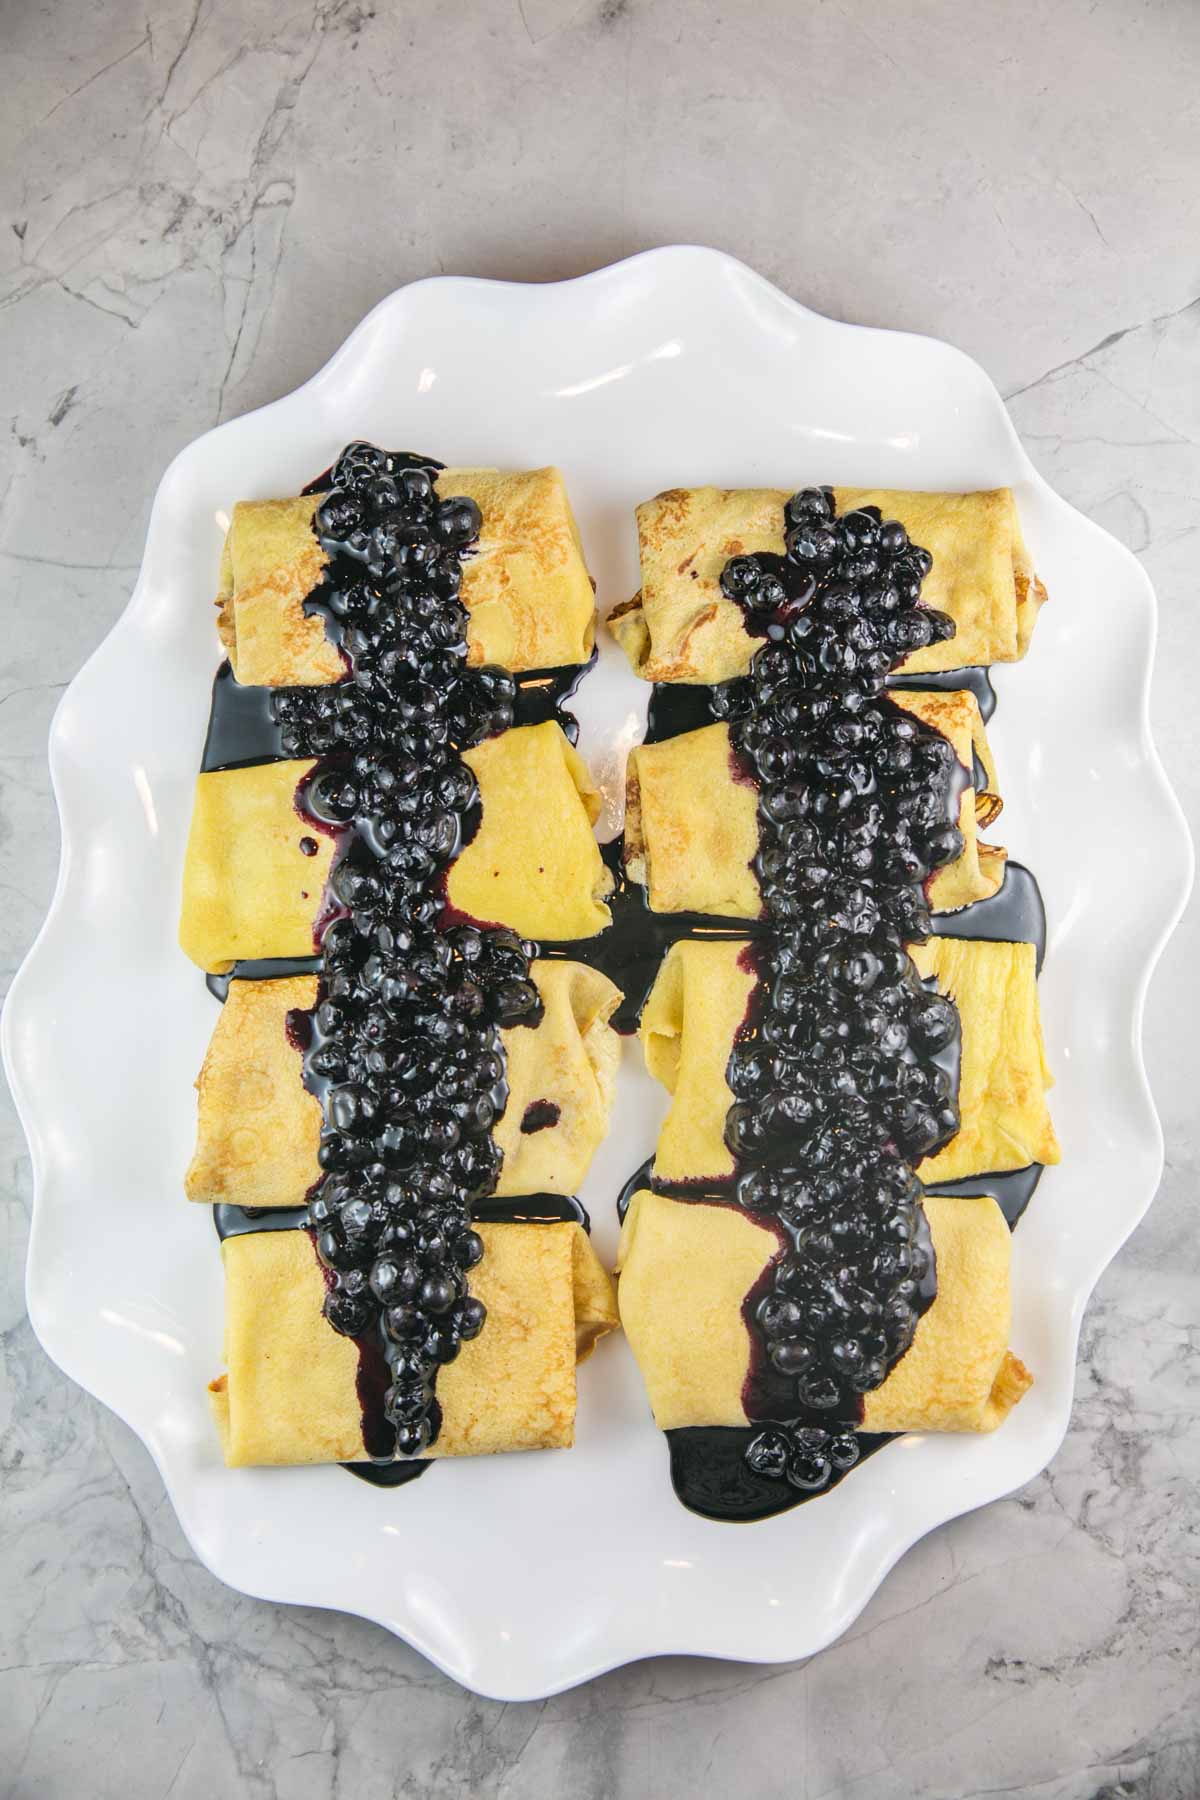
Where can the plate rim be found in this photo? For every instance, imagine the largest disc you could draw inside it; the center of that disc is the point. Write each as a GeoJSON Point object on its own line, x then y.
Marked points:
{"type": "Point", "coordinates": [22, 999]}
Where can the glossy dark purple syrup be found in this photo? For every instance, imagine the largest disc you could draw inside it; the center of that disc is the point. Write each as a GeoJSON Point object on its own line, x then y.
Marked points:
{"type": "Point", "coordinates": [631, 949]}
{"type": "Point", "coordinates": [678, 706]}
{"type": "Point", "coordinates": [243, 726]}
{"type": "Point", "coordinates": [539, 1115]}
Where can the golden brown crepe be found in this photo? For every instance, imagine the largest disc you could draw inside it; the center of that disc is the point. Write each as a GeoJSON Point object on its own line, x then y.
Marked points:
{"type": "Point", "coordinates": [289, 1394]}
{"type": "Point", "coordinates": [270, 564]}
{"type": "Point", "coordinates": [564, 1070]}
{"type": "Point", "coordinates": [1004, 1078]}
{"type": "Point", "coordinates": [699, 1001]}
{"type": "Point", "coordinates": [691, 825]}
{"type": "Point", "coordinates": [691, 817]}
{"type": "Point", "coordinates": [248, 888]}
{"type": "Point", "coordinates": [682, 628]}
{"type": "Point", "coordinates": [258, 1127]}
{"type": "Point", "coordinates": [684, 1270]}
{"type": "Point", "coordinates": [526, 587]}
{"type": "Point", "coordinates": [693, 1014]}
{"type": "Point", "coordinates": [533, 864]}
{"type": "Point", "coordinates": [250, 891]}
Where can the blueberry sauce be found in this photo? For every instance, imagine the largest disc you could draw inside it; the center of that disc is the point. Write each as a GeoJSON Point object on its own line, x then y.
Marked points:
{"type": "Point", "coordinates": [1011, 1189]}
{"type": "Point", "coordinates": [675, 707]}
{"type": "Point", "coordinates": [976, 679]}
{"type": "Point", "coordinates": [241, 1221]}
{"type": "Point", "coordinates": [246, 724]}
{"type": "Point", "coordinates": [643, 1177]}
{"type": "Point", "coordinates": [541, 696]}
{"type": "Point", "coordinates": [527, 1209]}
{"type": "Point", "coordinates": [387, 1474]}
{"type": "Point", "coordinates": [631, 949]}
{"type": "Point", "coordinates": [538, 1115]}
{"type": "Point", "coordinates": [713, 1474]}
{"type": "Point", "coordinates": [532, 1209]}
{"type": "Point", "coordinates": [242, 728]}
{"type": "Point", "coordinates": [403, 1048]}
{"type": "Point", "coordinates": [679, 706]}
{"type": "Point", "coordinates": [1015, 914]}
{"type": "Point", "coordinates": [839, 1076]}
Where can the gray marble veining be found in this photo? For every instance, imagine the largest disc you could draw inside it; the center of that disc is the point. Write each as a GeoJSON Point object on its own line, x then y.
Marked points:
{"type": "Point", "coordinates": [199, 201]}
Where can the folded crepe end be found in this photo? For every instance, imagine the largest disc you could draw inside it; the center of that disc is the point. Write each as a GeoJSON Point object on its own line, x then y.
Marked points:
{"type": "Point", "coordinates": [218, 1399]}
{"type": "Point", "coordinates": [534, 863]}
{"type": "Point", "coordinates": [258, 1129]}
{"type": "Point", "coordinates": [595, 1296]}
{"type": "Point", "coordinates": [635, 839]}
{"type": "Point", "coordinates": [1031, 597]}
{"type": "Point", "coordinates": [627, 624]}
{"type": "Point", "coordinates": [196, 947]}
{"type": "Point", "coordinates": [1013, 1382]}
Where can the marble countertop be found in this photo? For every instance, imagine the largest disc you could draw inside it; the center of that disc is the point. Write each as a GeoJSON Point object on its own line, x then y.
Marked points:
{"type": "Point", "coordinates": [199, 201]}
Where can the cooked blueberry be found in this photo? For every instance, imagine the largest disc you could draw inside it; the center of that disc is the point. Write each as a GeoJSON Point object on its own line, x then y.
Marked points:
{"type": "Point", "coordinates": [416, 489]}
{"type": "Point", "coordinates": [843, 1451]}
{"type": "Point", "coordinates": [767, 1454]}
{"type": "Point", "coordinates": [807, 1471]}
{"type": "Point", "coordinates": [338, 514]}
{"type": "Point", "coordinates": [471, 1316]}
{"type": "Point", "coordinates": [407, 1403]}
{"type": "Point", "coordinates": [457, 522]}
{"type": "Point", "coordinates": [820, 1391]}
{"type": "Point", "coordinates": [514, 1001]}
{"type": "Point", "coordinates": [745, 1128]}
{"type": "Point", "coordinates": [936, 1021]}
{"type": "Point", "coordinates": [411, 1439]}
{"type": "Point", "coordinates": [348, 1314]}
{"type": "Point", "coordinates": [436, 1295]}
{"type": "Point", "coordinates": [792, 1356]}
{"type": "Point", "coordinates": [780, 1316]}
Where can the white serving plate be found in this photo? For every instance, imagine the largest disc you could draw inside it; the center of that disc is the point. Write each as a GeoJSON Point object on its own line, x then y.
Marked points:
{"type": "Point", "coordinates": [522, 1575]}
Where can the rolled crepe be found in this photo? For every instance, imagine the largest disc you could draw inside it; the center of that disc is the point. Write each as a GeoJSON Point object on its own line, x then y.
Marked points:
{"type": "Point", "coordinates": [259, 1128]}
{"type": "Point", "coordinates": [249, 890]}
{"type": "Point", "coordinates": [700, 999]}
{"type": "Point", "coordinates": [533, 864]}
{"type": "Point", "coordinates": [691, 825]}
{"type": "Point", "coordinates": [691, 817]}
{"type": "Point", "coordinates": [526, 587]}
{"type": "Point", "coordinates": [289, 1394]}
{"type": "Point", "coordinates": [696, 1007]}
{"type": "Point", "coordinates": [685, 1270]}
{"type": "Point", "coordinates": [270, 565]}
{"type": "Point", "coordinates": [1004, 1077]}
{"type": "Point", "coordinates": [682, 628]}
